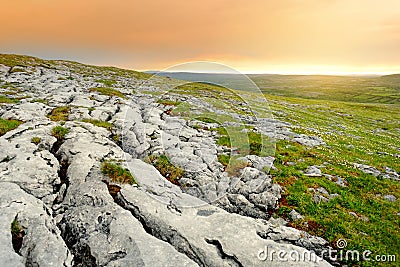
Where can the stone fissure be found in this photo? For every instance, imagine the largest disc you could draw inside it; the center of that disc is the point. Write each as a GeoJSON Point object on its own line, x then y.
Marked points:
{"type": "Point", "coordinates": [233, 261]}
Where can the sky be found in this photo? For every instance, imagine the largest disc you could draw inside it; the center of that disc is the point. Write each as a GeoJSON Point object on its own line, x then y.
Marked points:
{"type": "Point", "coordinates": [252, 36]}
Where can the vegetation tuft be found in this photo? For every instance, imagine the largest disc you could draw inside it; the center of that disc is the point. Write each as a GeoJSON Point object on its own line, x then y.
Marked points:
{"type": "Point", "coordinates": [36, 140]}
{"type": "Point", "coordinates": [8, 125]}
{"type": "Point", "coordinates": [117, 173]}
{"type": "Point", "coordinates": [59, 132]}
{"type": "Point", "coordinates": [167, 102]}
{"type": "Point", "coordinates": [166, 168]}
{"type": "Point", "coordinates": [59, 113]}
{"type": "Point", "coordinates": [108, 91]}
{"type": "Point", "coordinates": [104, 124]}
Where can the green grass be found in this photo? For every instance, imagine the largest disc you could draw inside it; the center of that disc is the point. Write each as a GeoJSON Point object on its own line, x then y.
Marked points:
{"type": "Point", "coordinates": [167, 102]}
{"type": "Point", "coordinates": [250, 143]}
{"type": "Point", "coordinates": [224, 159]}
{"type": "Point", "coordinates": [207, 120]}
{"type": "Point", "coordinates": [59, 132]}
{"type": "Point", "coordinates": [15, 228]}
{"type": "Point", "coordinates": [108, 83]}
{"type": "Point", "coordinates": [105, 124]}
{"type": "Point", "coordinates": [8, 100]}
{"type": "Point", "coordinates": [36, 140]}
{"type": "Point", "coordinates": [40, 100]}
{"type": "Point", "coordinates": [8, 125]}
{"type": "Point", "coordinates": [166, 168]}
{"type": "Point", "coordinates": [108, 91]}
{"type": "Point", "coordinates": [384, 89]}
{"type": "Point", "coordinates": [358, 124]}
{"type": "Point", "coordinates": [59, 113]}
{"type": "Point", "coordinates": [117, 173]}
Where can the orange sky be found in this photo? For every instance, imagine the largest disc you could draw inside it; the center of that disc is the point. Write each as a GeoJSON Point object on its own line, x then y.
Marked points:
{"type": "Point", "coordinates": [280, 36]}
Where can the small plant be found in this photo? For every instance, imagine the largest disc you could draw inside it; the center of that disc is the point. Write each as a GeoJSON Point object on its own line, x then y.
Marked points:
{"type": "Point", "coordinates": [117, 173]}
{"type": "Point", "coordinates": [36, 140]}
{"type": "Point", "coordinates": [8, 125]}
{"type": "Point", "coordinates": [17, 235]}
{"type": "Point", "coordinates": [16, 229]}
{"type": "Point", "coordinates": [108, 91]}
{"type": "Point", "coordinates": [59, 132]}
{"type": "Point", "coordinates": [167, 102]}
{"type": "Point", "coordinates": [166, 168]}
{"type": "Point", "coordinates": [116, 138]}
{"type": "Point", "coordinates": [105, 124]}
{"type": "Point", "coordinates": [59, 114]}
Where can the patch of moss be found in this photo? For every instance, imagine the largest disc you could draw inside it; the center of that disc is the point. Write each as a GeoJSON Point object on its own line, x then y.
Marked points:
{"type": "Point", "coordinates": [17, 234]}
{"type": "Point", "coordinates": [40, 100]}
{"type": "Point", "coordinates": [105, 124]}
{"type": "Point", "coordinates": [59, 132]}
{"type": "Point", "coordinates": [117, 173]}
{"type": "Point", "coordinates": [107, 91]}
{"type": "Point", "coordinates": [107, 83]}
{"type": "Point", "coordinates": [8, 125]}
{"type": "Point", "coordinates": [163, 164]}
{"type": "Point", "coordinates": [59, 113]}
{"type": "Point", "coordinates": [167, 102]}
{"type": "Point", "coordinates": [8, 100]}
{"type": "Point", "coordinates": [36, 140]}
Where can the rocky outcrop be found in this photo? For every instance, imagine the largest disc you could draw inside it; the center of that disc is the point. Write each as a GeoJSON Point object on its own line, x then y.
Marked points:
{"type": "Point", "coordinates": [64, 211]}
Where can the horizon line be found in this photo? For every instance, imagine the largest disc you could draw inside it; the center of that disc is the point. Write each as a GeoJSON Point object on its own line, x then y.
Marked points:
{"type": "Point", "coordinates": [280, 73]}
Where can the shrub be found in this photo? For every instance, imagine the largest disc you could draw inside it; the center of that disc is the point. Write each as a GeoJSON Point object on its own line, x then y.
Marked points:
{"type": "Point", "coordinates": [36, 140]}
{"type": "Point", "coordinates": [59, 132]}
{"type": "Point", "coordinates": [59, 114]}
{"type": "Point", "coordinates": [166, 168]}
{"type": "Point", "coordinates": [117, 173]}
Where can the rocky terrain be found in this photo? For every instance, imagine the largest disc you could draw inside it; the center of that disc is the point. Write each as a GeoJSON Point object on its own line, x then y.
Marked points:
{"type": "Point", "coordinates": [65, 210]}
{"type": "Point", "coordinates": [105, 167]}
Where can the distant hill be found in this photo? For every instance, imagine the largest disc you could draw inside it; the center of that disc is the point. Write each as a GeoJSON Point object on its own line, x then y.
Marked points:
{"type": "Point", "coordinates": [392, 78]}
{"type": "Point", "coordinates": [362, 89]}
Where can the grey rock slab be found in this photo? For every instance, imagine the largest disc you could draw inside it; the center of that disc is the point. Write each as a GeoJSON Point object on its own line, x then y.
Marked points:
{"type": "Point", "coordinates": [150, 179]}
{"type": "Point", "coordinates": [260, 162]}
{"type": "Point", "coordinates": [42, 244]}
{"type": "Point", "coordinates": [313, 171]}
{"type": "Point", "coordinates": [212, 240]}
{"type": "Point", "coordinates": [390, 198]}
{"type": "Point", "coordinates": [367, 169]}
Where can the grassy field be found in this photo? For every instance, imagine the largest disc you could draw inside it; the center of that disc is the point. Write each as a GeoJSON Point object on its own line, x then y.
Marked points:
{"type": "Point", "coordinates": [361, 89]}
{"type": "Point", "coordinates": [354, 132]}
